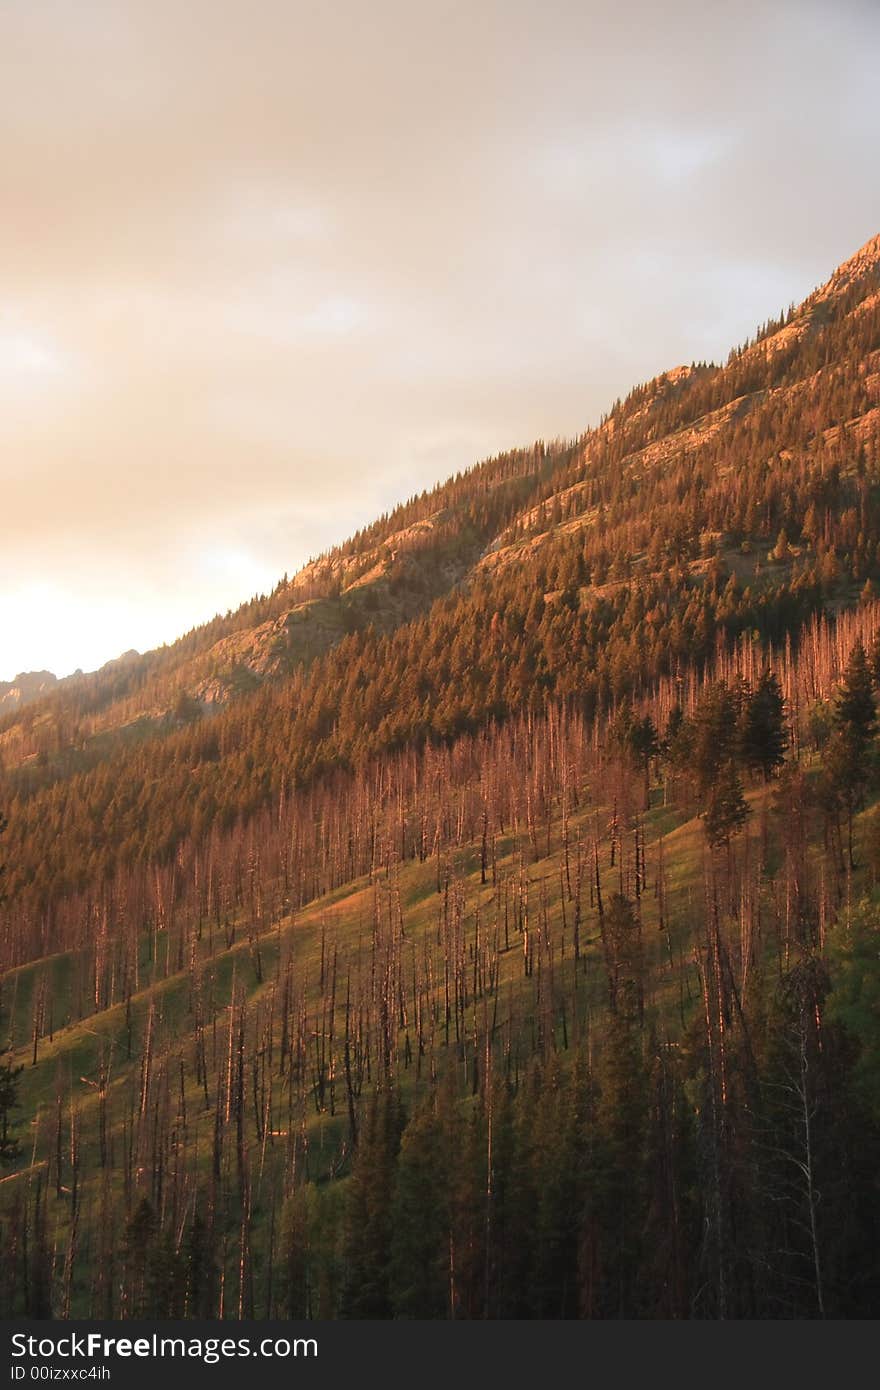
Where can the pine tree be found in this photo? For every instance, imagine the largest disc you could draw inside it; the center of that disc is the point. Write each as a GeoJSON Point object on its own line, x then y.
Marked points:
{"type": "Point", "coordinates": [645, 745]}
{"type": "Point", "coordinates": [714, 727]}
{"type": "Point", "coordinates": [847, 765]}
{"type": "Point", "coordinates": [614, 1211]}
{"type": "Point", "coordinates": [368, 1228]}
{"type": "Point", "coordinates": [624, 957]}
{"type": "Point", "coordinates": [727, 811]}
{"type": "Point", "coordinates": [855, 997]}
{"type": "Point", "coordinates": [9, 1077]}
{"type": "Point", "coordinates": [855, 710]}
{"type": "Point", "coordinates": [423, 1274]}
{"type": "Point", "coordinates": [874, 659]}
{"type": "Point", "coordinates": [764, 736]}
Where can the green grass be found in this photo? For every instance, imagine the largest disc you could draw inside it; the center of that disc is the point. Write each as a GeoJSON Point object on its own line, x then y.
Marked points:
{"type": "Point", "coordinates": [71, 1059]}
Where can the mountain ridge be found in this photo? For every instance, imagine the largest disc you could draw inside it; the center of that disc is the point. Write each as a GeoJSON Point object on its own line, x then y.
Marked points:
{"type": "Point", "coordinates": [348, 585]}
{"type": "Point", "coordinates": [711, 498]}
{"type": "Point", "coordinates": [507, 948]}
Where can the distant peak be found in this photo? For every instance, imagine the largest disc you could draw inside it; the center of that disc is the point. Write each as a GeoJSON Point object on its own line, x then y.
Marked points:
{"type": "Point", "coordinates": [34, 677]}
{"type": "Point", "coordinates": [869, 254]}
{"type": "Point", "coordinates": [124, 660]}
{"type": "Point", "coordinates": [865, 262]}
{"type": "Point", "coordinates": [27, 686]}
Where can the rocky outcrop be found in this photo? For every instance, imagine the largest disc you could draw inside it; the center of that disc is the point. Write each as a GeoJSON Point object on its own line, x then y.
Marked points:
{"type": "Point", "coordinates": [27, 686]}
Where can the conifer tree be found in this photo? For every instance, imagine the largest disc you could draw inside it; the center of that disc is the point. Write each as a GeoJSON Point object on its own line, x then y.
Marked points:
{"type": "Point", "coordinates": [764, 735]}
{"type": "Point", "coordinates": [368, 1227]}
{"type": "Point", "coordinates": [645, 746]}
{"type": "Point", "coordinates": [9, 1075]}
{"type": "Point", "coordinates": [727, 811]}
{"type": "Point", "coordinates": [9, 1078]}
{"type": "Point", "coordinates": [848, 768]}
{"type": "Point", "coordinates": [422, 1247]}
{"type": "Point", "coordinates": [714, 728]}
{"type": "Point", "coordinates": [855, 710]}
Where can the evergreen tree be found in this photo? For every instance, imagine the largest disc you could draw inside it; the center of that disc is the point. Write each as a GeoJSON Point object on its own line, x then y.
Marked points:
{"type": "Point", "coordinates": [764, 737]}
{"type": "Point", "coordinates": [368, 1225]}
{"type": "Point", "coordinates": [614, 1212]}
{"type": "Point", "coordinates": [644, 745]}
{"type": "Point", "coordinates": [624, 957]}
{"type": "Point", "coordinates": [9, 1079]}
{"type": "Point", "coordinates": [422, 1240]}
{"type": "Point", "coordinates": [847, 764]}
{"type": "Point", "coordinates": [727, 811]}
{"type": "Point", "coordinates": [557, 1143]}
{"type": "Point", "coordinates": [295, 1262]}
{"type": "Point", "coordinates": [9, 1075]}
{"type": "Point", "coordinates": [855, 997]}
{"type": "Point", "coordinates": [714, 729]}
{"type": "Point", "coordinates": [855, 710]}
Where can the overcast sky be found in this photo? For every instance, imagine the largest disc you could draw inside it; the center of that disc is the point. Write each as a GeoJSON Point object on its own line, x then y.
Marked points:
{"type": "Point", "coordinates": [267, 268]}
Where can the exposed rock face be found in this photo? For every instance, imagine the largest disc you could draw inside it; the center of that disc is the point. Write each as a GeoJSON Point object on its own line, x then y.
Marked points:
{"type": "Point", "coordinates": [859, 268]}
{"type": "Point", "coordinates": [27, 686]}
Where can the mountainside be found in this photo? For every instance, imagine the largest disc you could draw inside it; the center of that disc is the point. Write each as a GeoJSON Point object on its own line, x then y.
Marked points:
{"type": "Point", "coordinates": [672, 440]}
{"type": "Point", "coordinates": [484, 922]}
{"type": "Point", "coordinates": [714, 500]}
{"type": "Point", "coordinates": [26, 686]}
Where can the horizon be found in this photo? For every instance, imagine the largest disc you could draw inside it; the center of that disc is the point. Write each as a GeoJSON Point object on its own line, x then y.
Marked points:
{"type": "Point", "coordinates": [231, 337]}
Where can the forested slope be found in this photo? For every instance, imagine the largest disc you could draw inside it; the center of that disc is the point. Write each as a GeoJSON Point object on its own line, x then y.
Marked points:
{"type": "Point", "coordinates": [510, 948]}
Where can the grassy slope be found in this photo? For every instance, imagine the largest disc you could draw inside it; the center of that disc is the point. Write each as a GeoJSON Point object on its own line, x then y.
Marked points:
{"type": "Point", "coordinates": [344, 920]}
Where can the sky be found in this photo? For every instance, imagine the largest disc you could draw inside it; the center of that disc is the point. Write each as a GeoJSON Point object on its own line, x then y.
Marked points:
{"type": "Point", "coordinates": [268, 268]}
